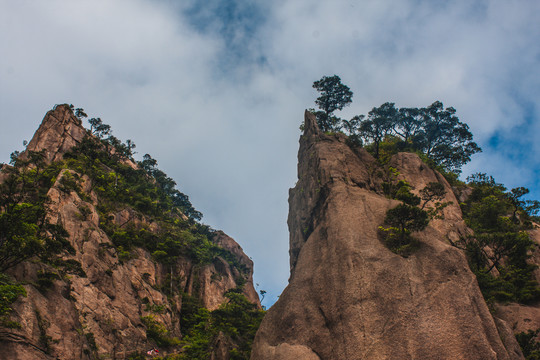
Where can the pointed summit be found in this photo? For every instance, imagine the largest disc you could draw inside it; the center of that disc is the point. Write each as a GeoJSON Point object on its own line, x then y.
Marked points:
{"type": "Point", "coordinates": [59, 131]}
{"type": "Point", "coordinates": [310, 123]}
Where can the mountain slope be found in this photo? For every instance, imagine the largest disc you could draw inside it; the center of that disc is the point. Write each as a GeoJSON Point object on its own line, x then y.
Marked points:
{"type": "Point", "coordinates": [132, 271]}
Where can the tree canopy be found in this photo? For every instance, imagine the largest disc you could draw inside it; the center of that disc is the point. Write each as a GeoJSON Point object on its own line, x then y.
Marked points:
{"type": "Point", "coordinates": [500, 220]}
{"type": "Point", "coordinates": [434, 130]}
{"type": "Point", "coordinates": [334, 96]}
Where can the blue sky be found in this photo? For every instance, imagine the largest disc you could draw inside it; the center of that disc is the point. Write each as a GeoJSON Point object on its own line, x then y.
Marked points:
{"type": "Point", "coordinates": [215, 90]}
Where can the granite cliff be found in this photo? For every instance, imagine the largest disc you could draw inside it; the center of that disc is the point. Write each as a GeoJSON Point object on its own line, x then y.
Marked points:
{"type": "Point", "coordinates": [133, 276]}
{"type": "Point", "coordinates": [350, 297]}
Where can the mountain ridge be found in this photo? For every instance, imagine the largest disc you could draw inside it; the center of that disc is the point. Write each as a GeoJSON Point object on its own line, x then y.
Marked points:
{"type": "Point", "coordinates": [129, 279]}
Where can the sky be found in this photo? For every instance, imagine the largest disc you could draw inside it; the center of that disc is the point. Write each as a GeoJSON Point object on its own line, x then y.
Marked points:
{"type": "Point", "coordinates": [215, 91]}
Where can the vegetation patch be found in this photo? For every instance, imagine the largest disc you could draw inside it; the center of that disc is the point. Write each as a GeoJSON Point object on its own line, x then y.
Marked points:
{"type": "Point", "coordinates": [412, 215]}
{"type": "Point", "coordinates": [10, 291]}
{"type": "Point", "coordinates": [530, 346]}
{"type": "Point", "coordinates": [25, 231]}
{"type": "Point", "coordinates": [237, 319]}
{"type": "Point", "coordinates": [500, 247]}
{"type": "Point", "coordinates": [433, 130]}
{"type": "Point", "coordinates": [157, 332]}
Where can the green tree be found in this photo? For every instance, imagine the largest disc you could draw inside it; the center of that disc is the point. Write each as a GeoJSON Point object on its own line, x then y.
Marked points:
{"type": "Point", "coordinates": [405, 219]}
{"type": "Point", "coordinates": [434, 192]}
{"type": "Point", "coordinates": [431, 192]}
{"type": "Point", "coordinates": [530, 207]}
{"type": "Point", "coordinates": [379, 123]}
{"type": "Point", "coordinates": [499, 241]}
{"type": "Point", "coordinates": [352, 128]}
{"type": "Point", "coordinates": [79, 113]}
{"type": "Point", "coordinates": [445, 139]}
{"type": "Point", "coordinates": [130, 145]}
{"type": "Point", "coordinates": [334, 96]}
{"type": "Point", "coordinates": [408, 123]}
{"type": "Point", "coordinates": [98, 128]}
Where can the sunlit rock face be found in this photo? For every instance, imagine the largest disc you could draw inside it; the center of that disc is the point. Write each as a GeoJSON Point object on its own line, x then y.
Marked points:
{"type": "Point", "coordinates": [349, 296]}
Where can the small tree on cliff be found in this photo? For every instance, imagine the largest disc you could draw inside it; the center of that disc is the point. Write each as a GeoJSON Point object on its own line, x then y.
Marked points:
{"type": "Point", "coordinates": [407, 217]}
{"type": "Point", "coordinates": [334, 96]}
{"type": "Point", "coordinates": [403, 220]}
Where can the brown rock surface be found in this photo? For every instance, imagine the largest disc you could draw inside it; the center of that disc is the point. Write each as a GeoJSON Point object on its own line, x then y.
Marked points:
{"type": "Point", "coordinates": [59, 131]}
{"type": "Point", "coordinates": [98, 314]}
{"type": "Point", "coordinates": [349, 297]}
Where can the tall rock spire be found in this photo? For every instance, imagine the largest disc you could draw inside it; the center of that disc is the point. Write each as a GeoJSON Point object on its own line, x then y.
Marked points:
{"type": "Point", "coordinates": [349, 296]}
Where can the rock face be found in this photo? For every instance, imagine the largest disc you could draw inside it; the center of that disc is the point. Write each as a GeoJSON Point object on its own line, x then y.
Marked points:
{"type": "Point", "coordinates": [349, 296]}
{"type": "Point", "coordinates": [97, 312]}
{"type": "Point", "coordinates": [59, 131]}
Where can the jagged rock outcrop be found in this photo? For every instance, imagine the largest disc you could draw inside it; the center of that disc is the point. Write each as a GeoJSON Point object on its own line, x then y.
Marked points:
{"type": "Point", "coordinates": [98, 310]}
{"type": "Point", "coordinates": [350, 297]}
{"type": "Point", "coordinates": [59, 131]}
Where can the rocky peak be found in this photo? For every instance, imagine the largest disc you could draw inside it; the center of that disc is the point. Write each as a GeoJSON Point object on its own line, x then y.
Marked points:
{"type": "Point", "coordinates": [59, 131]}
{"type": "Point", "coordinates": [113, 300]}
{"type": "Point", "coordinates": [349, 296]}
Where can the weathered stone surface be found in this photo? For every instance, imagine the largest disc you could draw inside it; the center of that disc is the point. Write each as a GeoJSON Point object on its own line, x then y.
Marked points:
{"type": "Point", "coordinates": [221, 347]}
{"type": "Point", "coordinates": [99, 315]}
{"type": "Point", "coordinates": [226, 242]}
{"type": "Point", "coordinates": [59, 131]}
{"type": "Point", "coordinates": [349, 297]}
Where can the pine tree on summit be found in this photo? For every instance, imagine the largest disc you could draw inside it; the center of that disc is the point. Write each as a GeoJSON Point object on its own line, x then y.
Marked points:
{"type": "Point", "coordinates": [334, 96]}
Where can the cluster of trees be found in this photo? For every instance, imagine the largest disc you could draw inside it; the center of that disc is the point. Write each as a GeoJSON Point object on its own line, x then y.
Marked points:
{"type": "Point", "coordinates": [500, 243]}
{"type": "Point", "coordinates": [104, 132]}
{"type": "Point", "coordinates": [25, 230]}
{"type": "Point", "coordinates": [110, 150]}
{"type": "Point", "coordinates": [237, 318]}
{"type": "Point", "coordinates": [434, 130]}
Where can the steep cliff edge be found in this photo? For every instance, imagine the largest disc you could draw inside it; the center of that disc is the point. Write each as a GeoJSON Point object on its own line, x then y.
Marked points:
{"type": "Point", "coordinates": [128, 278]}
{"type": "Point", "coordinates": [349, 296]}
